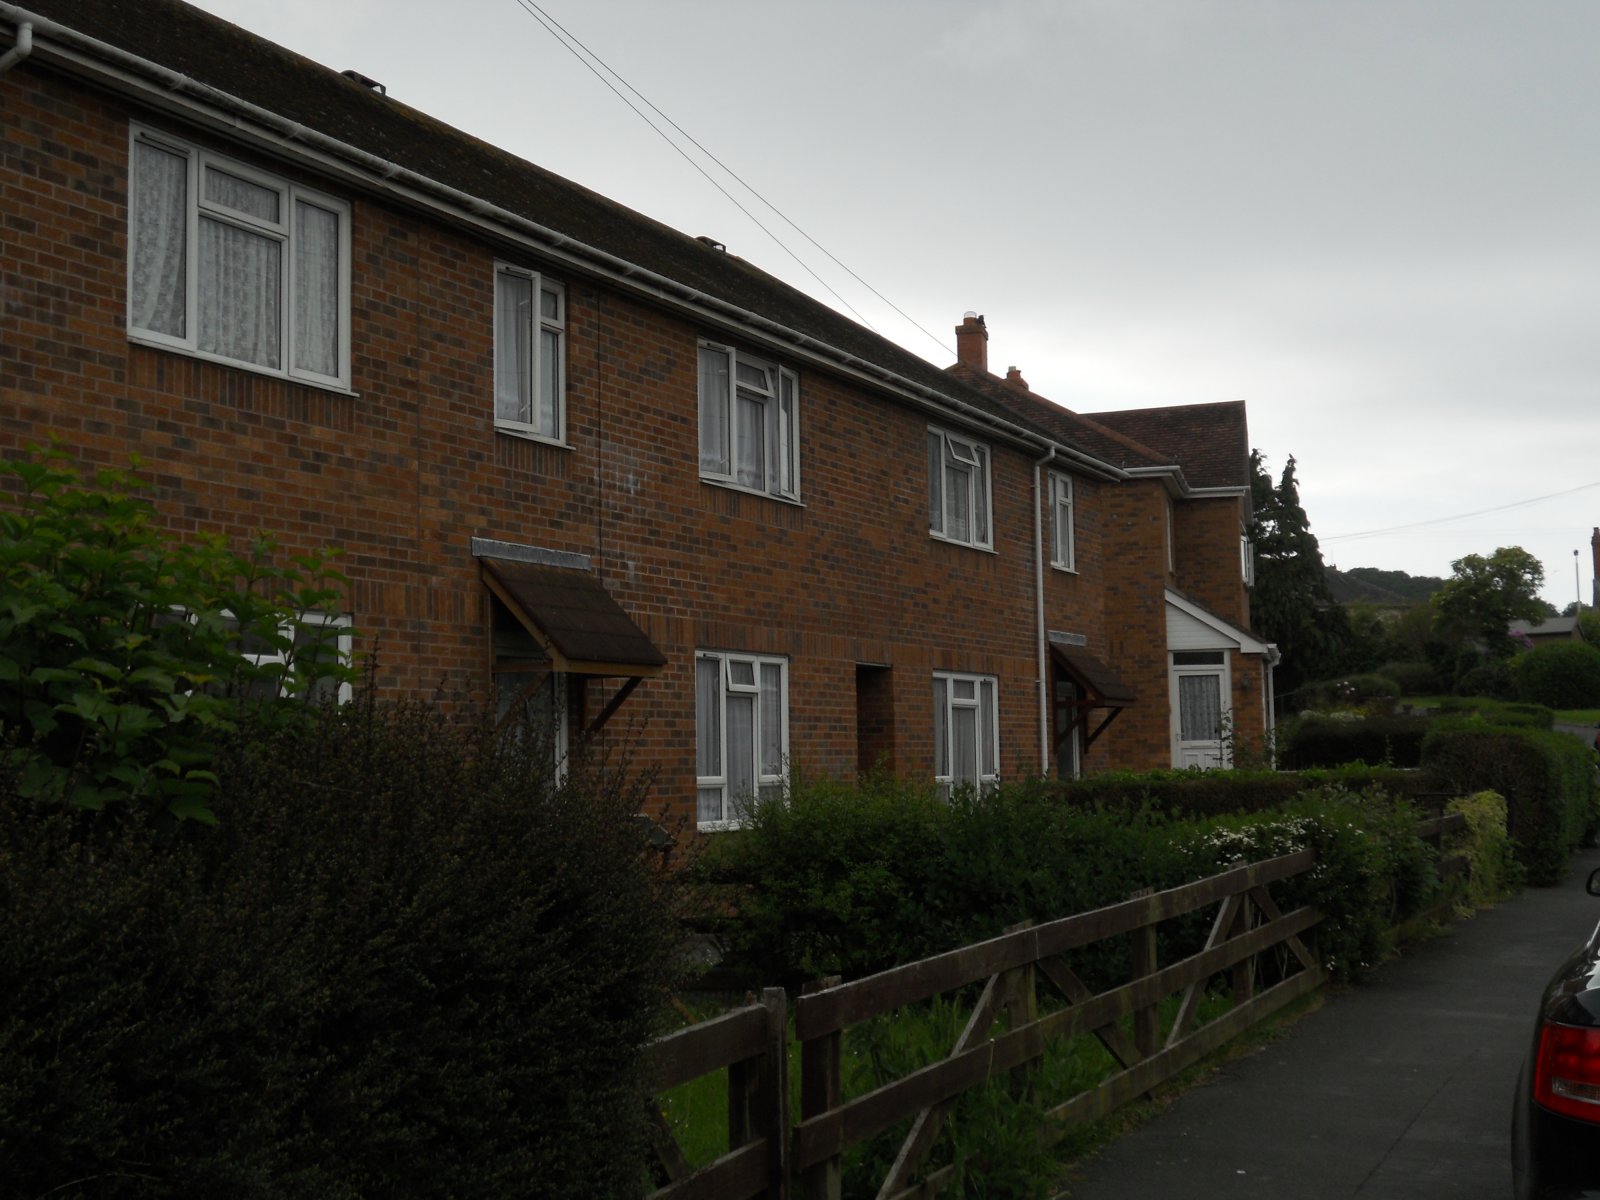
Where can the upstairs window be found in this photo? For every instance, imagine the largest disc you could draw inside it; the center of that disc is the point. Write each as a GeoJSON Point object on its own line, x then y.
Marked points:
{"type": "Point", "coordinates": [741, 734]}
{"type": "Point", "coordinates": [1063, 551]}
{"type": "Point", "coordinates": [237, 265]}
{"type": "Point", "coordinates": [966, 738]}
{"type": "Point", "coordinates": [530, 325]}
{"type": "Point", "coordinates": [958, 489]}
{"type": "Point", "coordinates": [749, 422]}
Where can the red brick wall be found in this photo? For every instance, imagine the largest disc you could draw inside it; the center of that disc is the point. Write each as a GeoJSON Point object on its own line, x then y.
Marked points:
{"type": "Point", "coordinates": [405, 472]}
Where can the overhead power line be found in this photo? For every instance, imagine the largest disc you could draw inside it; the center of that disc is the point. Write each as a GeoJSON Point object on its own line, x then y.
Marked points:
{"type": "Point", "coordinates": [1482, 512]}
{"type": "Point", "coordinates": [596, 65]}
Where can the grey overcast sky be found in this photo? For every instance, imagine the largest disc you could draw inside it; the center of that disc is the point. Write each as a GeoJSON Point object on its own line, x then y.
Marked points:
{"type": "Point", "coordinates": [1375, 221]}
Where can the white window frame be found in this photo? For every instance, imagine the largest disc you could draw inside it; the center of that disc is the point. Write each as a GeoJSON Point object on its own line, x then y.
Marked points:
{"type": "Point", "coordinates": [196, 208]}
{"type": "Point", "coordinates": [712, 776]}
{"type": "Point", "coordinates": [1247, 559]}
{"type": "Point", "coordinates": [957, 691]}
{"type": "Point", "coordinates": [537, 324]}
{"type": "Point", "coordinates": [950, 457]}
{"type": "Point", "coordinates": [778, 396]}
{"type": "Point", "coordinates": [1063, 534]}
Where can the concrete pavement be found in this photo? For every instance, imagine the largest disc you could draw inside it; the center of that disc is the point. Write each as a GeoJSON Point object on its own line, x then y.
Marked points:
{"type": "Point", "coordinates": [1399, 1087]}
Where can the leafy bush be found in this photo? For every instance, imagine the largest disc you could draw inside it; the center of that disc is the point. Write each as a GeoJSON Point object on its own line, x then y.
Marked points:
{"type": "Point", "coordinates": [1545, 777]}
{"type": "Point", "coordinates": [1314, 740]}
{"type": "Point", "coordinates": [1559, 675]}
{"type": "Point", "coordinates": [122, 651]}
{"type": "Point", "coordinates": [1413, 678]}
{"type": "Point", "coordinates": [1491, 679]}
{"type": "Point", "coordinates": [1500, 712]}
{"type": "Point", "coordinates": [404, 962]}
{"type": "Point", "coordinates": [1493, 871]}
{"type": "Point", "coordinates": [1195, 794]}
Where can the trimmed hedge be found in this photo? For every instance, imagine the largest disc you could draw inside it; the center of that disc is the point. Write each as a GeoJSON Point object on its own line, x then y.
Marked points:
{"type": "Point", "coordinates": [1545, 777]}
{"type": "Point", "coordinates": [1315, 740]}
{"type": "Point", "coordinates": [1220, 793]}
{"type": "Point", "coordinates": [1560, 675]}
{"type": "Point", "coordinates": [850, 881]}
{"type": "Point", "coordinates": [404, 962]}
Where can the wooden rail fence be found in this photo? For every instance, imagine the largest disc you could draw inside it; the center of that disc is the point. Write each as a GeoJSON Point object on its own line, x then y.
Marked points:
{"type": "Point", "coordinates": [1004, 1033]}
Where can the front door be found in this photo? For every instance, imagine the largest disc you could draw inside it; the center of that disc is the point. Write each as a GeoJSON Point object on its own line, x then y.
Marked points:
{"type": "Point", "coordinates": [1201, 712]}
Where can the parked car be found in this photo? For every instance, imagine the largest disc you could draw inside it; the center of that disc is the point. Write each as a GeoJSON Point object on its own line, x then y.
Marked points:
{"type": "Point", "coordinates": [1555, 1124]}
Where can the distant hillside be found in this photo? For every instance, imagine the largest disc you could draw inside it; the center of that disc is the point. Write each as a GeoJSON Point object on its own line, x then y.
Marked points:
{"type": "Point", "coordinates": [1374, 586]}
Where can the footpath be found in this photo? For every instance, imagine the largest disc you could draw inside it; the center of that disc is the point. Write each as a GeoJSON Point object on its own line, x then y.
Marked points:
{"type": "Point", "coordinates": [1398, 1088]}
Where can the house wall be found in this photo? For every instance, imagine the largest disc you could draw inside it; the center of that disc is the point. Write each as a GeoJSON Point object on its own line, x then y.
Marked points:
{"type": "Point", "coordinates": [404, 472]}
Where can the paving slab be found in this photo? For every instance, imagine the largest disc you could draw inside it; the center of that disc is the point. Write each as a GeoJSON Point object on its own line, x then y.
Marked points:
{"type": "Point", "coordinates": [1397, 1088]}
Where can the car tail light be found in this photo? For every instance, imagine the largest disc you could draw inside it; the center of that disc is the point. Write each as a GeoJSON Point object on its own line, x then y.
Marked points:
{"type": "Point", "coordinates": [1566, 1076]}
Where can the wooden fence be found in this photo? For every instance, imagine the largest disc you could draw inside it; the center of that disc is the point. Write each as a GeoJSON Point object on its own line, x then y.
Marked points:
{"type": "Point", "coordinates": [1005, 1033]}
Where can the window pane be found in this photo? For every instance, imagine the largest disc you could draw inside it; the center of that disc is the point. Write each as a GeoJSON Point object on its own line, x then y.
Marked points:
{"type": "Point", "coordinates": [513, 332]}
{"type": "Point", "coordinates": [160, 201]}
{"type": "Point", "coordinates": [789, 429]}
{"type": "Point", "coordinates": [316, 289]}
{"type": "Point", "coordinates": [714, 401]}
{"type": "Point", "coordinates": [980, 496]}
{"type": "Point", "coordinates": [941, 727]}
{"type": "Point", "coordinates": [549, 304]}
{"type": "Point", "coordinates": [240, 296]}
{"type": "Point", "coordinates": [741, 673]}
{"type": "Point", "coordinates": [708, 717]}
{"type": "Point", "coordinates": [754, 377]}
{"type": "Point", "coordinates": [708, 804]}
{"type": "Point", "coordinates": [771, 719]}
{"type": "Point", "coordinates": [241, 195]}
{"type": "Point", "coordinates": [1200, 707]}
{"type": "Point", "coordinates": [987, 750]}
{"type": "Point", "coordinates": [741, 751]}
{"type": "Point", "coordinates": [549, 422]}
{"type": "Point", "coordinates": [935, 483]}
{"type": "Point", "coordinates": [964, 745]}
{"type": "Point", "coordinates": [752, 461]}
{"type": "Point", "coordinates": [958, 514]}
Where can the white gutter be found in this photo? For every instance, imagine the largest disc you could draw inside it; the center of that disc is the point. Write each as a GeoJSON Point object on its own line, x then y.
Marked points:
{"type": "Point", "coordinates": [21, 50]}
{"type": "Point", "coordinates": [294, 141]}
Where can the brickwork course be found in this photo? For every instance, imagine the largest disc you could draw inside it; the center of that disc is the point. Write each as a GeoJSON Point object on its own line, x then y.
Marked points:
{"type": "Point", "coordinates": [402, 467]}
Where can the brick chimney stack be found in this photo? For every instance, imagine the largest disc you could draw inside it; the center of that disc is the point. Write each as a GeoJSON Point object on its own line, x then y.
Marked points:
{"type": "Point", "coordinates": [972, 342]}
{"type": "Point", "coordinates": [1014, 379]}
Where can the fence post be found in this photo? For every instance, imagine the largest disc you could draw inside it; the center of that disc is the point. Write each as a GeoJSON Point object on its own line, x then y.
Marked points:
{"type": "Point", "coordinates": [758, 1095]}
{"type": "Point", "coordinates": [1244, 971]}
{"type": "Point", "coordinates": [1022, 1003]}
{"type": "Point", "coordinates": [822, 1090]}
{"type": "Point", "coordinates": [1146, 1020]}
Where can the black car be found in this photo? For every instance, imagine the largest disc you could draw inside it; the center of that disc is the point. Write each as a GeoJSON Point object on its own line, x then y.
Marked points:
{"type": "Point", "coordinates": [1555, 1125]}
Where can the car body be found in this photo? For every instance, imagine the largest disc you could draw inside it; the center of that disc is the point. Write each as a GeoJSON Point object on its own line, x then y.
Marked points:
{"type": "Point", "coordinates": [1555, 1126]}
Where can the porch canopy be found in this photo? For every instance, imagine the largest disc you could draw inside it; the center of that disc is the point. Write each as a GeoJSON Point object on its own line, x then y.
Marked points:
{"type": "Point", "coordinates": [1098, 687]}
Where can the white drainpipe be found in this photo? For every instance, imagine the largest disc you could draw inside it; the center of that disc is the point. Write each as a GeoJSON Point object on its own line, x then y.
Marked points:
{"type": "Point", "coordinates": [1038, 599]}
{"type": "Point", "coordinates": [21, 50]}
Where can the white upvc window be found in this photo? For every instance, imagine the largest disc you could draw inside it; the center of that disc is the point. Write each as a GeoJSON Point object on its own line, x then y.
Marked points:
{"type": "Point", "coordinates": [1247, 559]}
{"type": "Point", "coordinates": [534, 704]}
{"type": "Point", "coordinates": [741, 734]}
{"type": "Point", "coordinates": [1063, 547]}
{"type": "Point", "coordinates": [230, 263]}
{"type": "Point", "coordinates": [966, 731]}
{"type": "Point", "coordinates": [297, 649]}
{"type": "Point", "coordinates": [530, 361]}
{"type": "Point", "coordinates": [958, 489]}
{"type": "Point", "coordinates": [749, 422]}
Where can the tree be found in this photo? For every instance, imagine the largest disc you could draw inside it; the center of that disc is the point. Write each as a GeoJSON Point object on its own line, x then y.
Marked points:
{"type": "Point", "coordinates": [1484, 595]}
{"type": "Point", "coordinates": [1291, 604]}
{"type": "Point", "coordinates": [122, 651]}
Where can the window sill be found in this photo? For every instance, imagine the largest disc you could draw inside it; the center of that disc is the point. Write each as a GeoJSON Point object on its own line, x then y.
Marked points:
{"type": "Point", "coordinates": [939, 537]}
{"type": "Point", "coordinates": [321, 385]}
{"type": "Point", "coordinates": [1063, 569]}
{"type": "Point", "coordinates": [713, 481]}
{"type": "Point", "coordinates": [719, 826]}
{"type": "Point", "coordinates": [527, 435]}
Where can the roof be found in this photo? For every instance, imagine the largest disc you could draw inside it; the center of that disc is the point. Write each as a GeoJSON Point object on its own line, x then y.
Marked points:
{"type": "Point", "coordinates": [1103, 685]}
{"type": "Point", "coordinates": [1211, 442]}
{"type": "Point", "coordinates": [217, 54]}
{"type": "Point", "coordinates": [1550, 627]}
{"type": "Point", "coordinates": [572, 614]}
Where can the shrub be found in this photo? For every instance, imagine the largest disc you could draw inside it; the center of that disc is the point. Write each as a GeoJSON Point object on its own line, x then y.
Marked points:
{"type": "Point", "coordinates": [402, 963]}
{"type": "Point", "coordinates": [1544, 776]}
{"type": "Point", "coordinates": [1559, 675]}
{"type": "Point", "coordinates": [1494, 873]}
{"type": "Point", "coordinates": [1413, 678]}
{"type": "Point", "coordinates": [1491, 679]}
{"type": "Point", "coordinates": [121, 651]}
{"type": "Point", "coordinates": [1346, 691]}
{"type": "Point", "coordinates": [1313, 740]}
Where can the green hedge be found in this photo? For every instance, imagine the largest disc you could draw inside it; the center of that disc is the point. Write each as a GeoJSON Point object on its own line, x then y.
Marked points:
{"type": "Point", "coordinates": [403, 962]}
{"type": "Point", "coordinates": [1545, 777]}
{"type": "Point", "coordinates": [1315, 740]}
{"type": "Point", "coordinates": [850, 881]}
{"type": "Point", "coordinates": [1220, 793]}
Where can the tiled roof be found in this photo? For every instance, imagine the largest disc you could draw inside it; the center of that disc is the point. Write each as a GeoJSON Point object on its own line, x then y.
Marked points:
{"type": "Point", "coordinates": [1211, 442]}
{"type": "Point", "coordinates": [223, 56]}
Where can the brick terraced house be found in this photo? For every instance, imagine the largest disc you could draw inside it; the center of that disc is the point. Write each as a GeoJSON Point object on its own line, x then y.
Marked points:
{"type": "Point", "coordinates": [578, 460]}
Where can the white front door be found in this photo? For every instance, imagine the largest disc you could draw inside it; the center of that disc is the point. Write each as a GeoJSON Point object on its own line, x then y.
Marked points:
{"type": "Point", "coordinates": [1201, 709]}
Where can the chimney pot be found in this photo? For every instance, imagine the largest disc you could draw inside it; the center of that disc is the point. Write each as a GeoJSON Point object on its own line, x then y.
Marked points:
{"type": "Point", "coordinates": [1015, 379]}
